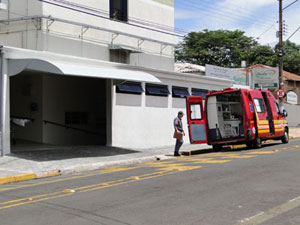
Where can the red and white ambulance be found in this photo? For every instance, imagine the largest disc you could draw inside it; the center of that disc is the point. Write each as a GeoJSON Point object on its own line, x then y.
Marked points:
{"type": "Point", "coordinates": [236, 116]}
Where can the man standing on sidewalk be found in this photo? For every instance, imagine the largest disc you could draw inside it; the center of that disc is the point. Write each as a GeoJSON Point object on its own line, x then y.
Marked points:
{"type": "Point", "coordinates": [179, 132]}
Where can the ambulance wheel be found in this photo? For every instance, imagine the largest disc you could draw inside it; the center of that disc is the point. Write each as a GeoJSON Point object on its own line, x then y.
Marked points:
{"type": "Point", "coordinates": [249, 145]}
{"type": "Point", "coordinates": [285, 138]}
{"type": "Point", "coordinates": [217, 148]}
{"type": "Point", "coordinates": [257, 143]}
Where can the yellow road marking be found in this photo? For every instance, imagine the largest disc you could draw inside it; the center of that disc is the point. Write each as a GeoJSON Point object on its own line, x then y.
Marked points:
{"type": "Point", "coordinates": [239, 157]}
{"type": "Point", "coordinates": [99, 172]}
{"type": "Point", "coordinates": [178, 164]}
{"type": "Point", "coordinates": [261, 152]}
{"type": "Point", "coordinates": [211, 161]}
{"type": "Point", "coordinates": [33, 201]}
{"type": "Point", "coordinates": [180, 168]}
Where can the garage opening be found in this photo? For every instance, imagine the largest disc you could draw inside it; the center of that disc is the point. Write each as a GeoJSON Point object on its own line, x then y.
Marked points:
{"type": "Point", "coordinates": [54, 110]}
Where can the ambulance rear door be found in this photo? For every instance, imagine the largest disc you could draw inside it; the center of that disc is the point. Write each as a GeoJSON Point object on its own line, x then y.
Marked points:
{"type": "Point", "coordinates": [196, 120]}
{"type": "Point", "coordinates": [261, 114]}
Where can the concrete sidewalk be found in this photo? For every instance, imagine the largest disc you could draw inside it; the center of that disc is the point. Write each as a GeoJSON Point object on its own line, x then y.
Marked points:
{"type": "Point", "coordinates": [47, 161]}
{"type": "Point", "coordinates": [25, 165]}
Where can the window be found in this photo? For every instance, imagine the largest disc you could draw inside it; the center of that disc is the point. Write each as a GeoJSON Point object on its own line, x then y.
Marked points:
{"type": "Point", "coordinates": [158, 90]}
{"type": "Point", "coordinates": [118, 10]}
{"type": "Point", "coordinates": [180, 92]}
{"type": "Point", "coordinates": [76, 118]}
{"type": "Point", "coordinates": [119, 56]}
{"type": "Point", "coordinates": [195, 110]}
{"type": "Point", "coordinates": [129, 88]}
{"type": "Point", "coordinates": [199, 92]}
{"type": "Point", "coordinates": [259, 105]}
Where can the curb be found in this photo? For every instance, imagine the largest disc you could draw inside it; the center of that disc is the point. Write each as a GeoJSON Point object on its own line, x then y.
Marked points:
{"type": "Point", "coordinates": [30, 176]}
{"type": "Point", "coordinates": [294, 137]}
{"type": "Point", "coordinates": [197, 152]}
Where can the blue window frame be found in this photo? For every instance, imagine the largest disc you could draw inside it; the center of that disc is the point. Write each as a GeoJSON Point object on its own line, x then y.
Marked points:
{"type": "Point", "coordinates": [180, 92]}
{"type": "Point", "coordinates": [199, 92]}
{"type": "Point", "coordinates": [158, 90]}
{"type": "Point", "coordinates": [129, 88]}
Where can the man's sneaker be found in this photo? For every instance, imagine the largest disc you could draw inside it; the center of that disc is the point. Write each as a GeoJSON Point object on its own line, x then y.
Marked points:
{"type": "Point", "coordinates": [176, 154]}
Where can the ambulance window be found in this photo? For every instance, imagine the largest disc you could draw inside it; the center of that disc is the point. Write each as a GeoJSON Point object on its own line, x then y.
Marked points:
{"type": "Point", "coordinates": [195, 112]}
{"type": "Point", "coordinates": [259, 105]}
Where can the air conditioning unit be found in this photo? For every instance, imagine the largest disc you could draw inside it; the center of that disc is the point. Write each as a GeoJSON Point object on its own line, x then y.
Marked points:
{"type": "Point", "coordinates": [3, 6]}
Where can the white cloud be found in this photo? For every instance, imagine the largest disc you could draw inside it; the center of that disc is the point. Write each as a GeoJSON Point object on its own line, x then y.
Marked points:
{"type": "Point", "coordinates": [186, 14]}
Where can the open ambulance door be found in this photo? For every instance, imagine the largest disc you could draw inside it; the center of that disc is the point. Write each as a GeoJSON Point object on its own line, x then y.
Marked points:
{"type": "Point", "coordinates": [261, 114]}
{"type": "Point", "coordinates": [196, 120]}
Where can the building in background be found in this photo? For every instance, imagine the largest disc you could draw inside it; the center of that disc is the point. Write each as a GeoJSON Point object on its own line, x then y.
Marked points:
{"type": "Point", "coordinates": [189, 68]}
{"type": "Point", "coordinates": [92, 73]}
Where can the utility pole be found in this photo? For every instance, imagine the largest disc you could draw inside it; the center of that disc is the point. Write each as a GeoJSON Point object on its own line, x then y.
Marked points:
{"type": "Point", "coordinates": [247, 68]}
{"type": "Point", "coordinates": [280, 45]}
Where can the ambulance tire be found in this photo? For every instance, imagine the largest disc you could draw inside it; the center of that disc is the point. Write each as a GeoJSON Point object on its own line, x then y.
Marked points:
{"type": "Point", "coordinates": [257, 143]}
{"type": "Point", "coordinates": [217, 148]}
{"type": "Point", "coordinates": [249, 145]}
{"type": "Point", "coordinates": [285, 138]}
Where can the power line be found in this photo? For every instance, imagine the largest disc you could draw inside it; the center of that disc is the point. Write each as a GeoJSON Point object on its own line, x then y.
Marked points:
{"type": "Point", "coordinates": [290, 4]}
{"type": "Point", "coordinates": [265, 31]}
{"type": "Point", "coordinates": [225, 14]}
{"type": "Point", "coordinates": [242, 11]}
{"type": "Point", "coordinates": [293, 33]}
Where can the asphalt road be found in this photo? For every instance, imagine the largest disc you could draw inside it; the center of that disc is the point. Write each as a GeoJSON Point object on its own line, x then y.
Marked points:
{"type": "Point", "coordinates": [231, 187]}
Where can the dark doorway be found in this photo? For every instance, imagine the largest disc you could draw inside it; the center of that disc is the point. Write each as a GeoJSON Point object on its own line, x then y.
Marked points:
{"type": "Point", "coordinates": [270, 116]}
{"type": "Point", "coordinates": [57, 110]}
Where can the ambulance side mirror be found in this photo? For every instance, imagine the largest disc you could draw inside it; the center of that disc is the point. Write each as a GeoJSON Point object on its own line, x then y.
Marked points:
{"type": "Point", "coordinates": [284, 113]}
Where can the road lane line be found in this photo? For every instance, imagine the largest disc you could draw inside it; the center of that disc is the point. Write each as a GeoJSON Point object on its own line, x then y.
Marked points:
{"type": "Point", "coordinates": [252, 217]}
{"type": "Point", "coordinates": [261, 153]}
{"type": "Point", "coordinates": [30, 200]}
{"type": "Point", "coordinates": [196, 159]}
{"type": "Point", "coordinates": [33, 201]}
{"type": "Point", "coordinates": [273, 212]}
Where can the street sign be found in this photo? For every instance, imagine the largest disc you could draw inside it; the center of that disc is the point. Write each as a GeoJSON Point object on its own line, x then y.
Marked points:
{"type": "Point", "coordinates": [265, 78]}
{"type": "Point", "coordinates": [280, 93]}
{"type": "Point", "coordinates": [292, 97]}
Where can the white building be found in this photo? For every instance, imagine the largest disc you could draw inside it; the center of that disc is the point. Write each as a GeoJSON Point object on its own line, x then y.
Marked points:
{"type": "Point", "coordinates": [70, 69]}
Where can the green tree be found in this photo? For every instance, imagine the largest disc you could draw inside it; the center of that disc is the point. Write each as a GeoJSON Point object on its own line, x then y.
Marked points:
{"type": "Point", "coordinates": [291, 58]}
{"type": "Point", "coordinates": [263, 54]}
{"type": "Point", "coordinates": [220, 47]}
{"type": "Point", "coordinates": [228, 48]}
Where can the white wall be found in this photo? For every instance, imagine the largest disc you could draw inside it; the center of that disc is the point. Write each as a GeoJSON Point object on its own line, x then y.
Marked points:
{"type": "Point", "coordinates": [67, 39]}
{"type": "Point", "coordinates": [293, 111]}
{"type": "Point", "coordinates": [66, 94]}
{"type": "Point", "coordinates": [143, 121]}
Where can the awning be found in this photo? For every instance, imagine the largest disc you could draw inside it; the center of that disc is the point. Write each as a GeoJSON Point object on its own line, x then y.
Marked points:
{"type": "Point", "coordinates": [126, 48]}
{"type": "Point", "coordinates": [20, 60]}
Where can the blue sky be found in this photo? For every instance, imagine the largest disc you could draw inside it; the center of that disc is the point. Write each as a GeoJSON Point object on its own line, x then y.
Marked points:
{"type": "Point", "coordinates": [258, 18]}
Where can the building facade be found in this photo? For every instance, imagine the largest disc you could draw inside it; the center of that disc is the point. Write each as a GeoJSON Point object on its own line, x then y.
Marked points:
{"type": "Point", "coordinates": [92, 73]}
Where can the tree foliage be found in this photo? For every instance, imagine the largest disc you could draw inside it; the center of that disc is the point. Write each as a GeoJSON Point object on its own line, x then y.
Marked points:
{"type": "Point", "coordinates": [228, 48]}
{"type": "Point", "coordinates": [291, 58]}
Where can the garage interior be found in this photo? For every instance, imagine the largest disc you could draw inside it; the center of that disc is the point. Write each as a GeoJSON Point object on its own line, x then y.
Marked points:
{"type": "Point", "coordinates": [49, 110]}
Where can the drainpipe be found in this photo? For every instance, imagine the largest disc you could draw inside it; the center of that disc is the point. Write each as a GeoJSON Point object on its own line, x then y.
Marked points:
{"type": "Point", "coordinates": [2, 54]}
